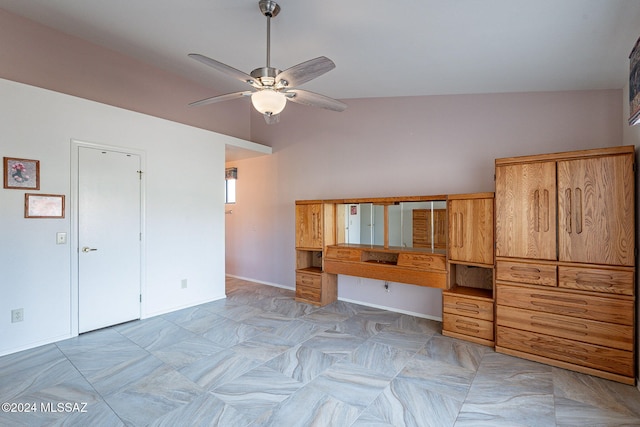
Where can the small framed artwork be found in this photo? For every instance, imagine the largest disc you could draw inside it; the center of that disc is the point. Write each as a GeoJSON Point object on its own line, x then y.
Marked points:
{"type": "Point", "coordinates": [634, 85]}
{"type": "Point", "coordinates": [21, 173]}
{"type": "Point", "coordinates": [43, 205]}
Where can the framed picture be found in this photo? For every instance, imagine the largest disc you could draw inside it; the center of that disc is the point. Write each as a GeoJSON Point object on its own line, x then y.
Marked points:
{"type": "Point", "coordinates": [634, 85]}
{"type": "Point", "coordinates": [43, 205]}
{"type": "Point", "coordinates": [21, 173]}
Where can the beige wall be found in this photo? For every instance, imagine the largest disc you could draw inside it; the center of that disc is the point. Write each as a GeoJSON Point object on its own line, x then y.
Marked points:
{"type": "Point", "coordinates": [394, 147]}
{"type": "Point", "coordinates": [40, 56]}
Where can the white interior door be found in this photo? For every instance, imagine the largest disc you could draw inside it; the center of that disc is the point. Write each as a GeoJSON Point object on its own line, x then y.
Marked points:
{"type": "Point", "coordinates": [353, 224]}
{"type": "Point", "coordinates": [109, 226]}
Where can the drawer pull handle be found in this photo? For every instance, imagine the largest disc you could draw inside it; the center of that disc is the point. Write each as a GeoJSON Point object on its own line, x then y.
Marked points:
{"type": "Point", "coordinates": [593, 278]}
{"type": "Point", "coordinates": [574, 352]}
{"type": "Point", "coordinates": [578, 211]}
{"type": "Point", "coordinates": [541, 322]}
{"type": "Point", "coordinates": [559, 308]}
{"type": "Point", "coordinates": [467, 326]}
{"type": "Point", "coordinates": [561, 299]}
{"type": "Point", "coordinates": [529, 276]}
{"type": "Point", "coordinates": [567, 217]}
{"type": "Point", "coordinates": [467, 307]}
{"type": "Point", "coordinates": [536, 211]}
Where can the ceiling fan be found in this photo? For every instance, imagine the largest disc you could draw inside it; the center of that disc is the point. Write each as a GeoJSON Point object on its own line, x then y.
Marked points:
{"type": "Point", "coordinates": [272, 87]}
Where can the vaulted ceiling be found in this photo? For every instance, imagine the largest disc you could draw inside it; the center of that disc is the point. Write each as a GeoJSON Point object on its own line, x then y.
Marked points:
{"type": "Point", "coordinates": [381, 48]}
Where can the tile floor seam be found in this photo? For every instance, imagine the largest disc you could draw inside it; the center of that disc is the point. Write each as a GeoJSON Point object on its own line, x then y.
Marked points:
{"type": "Point", "coordinates": [104, 400]}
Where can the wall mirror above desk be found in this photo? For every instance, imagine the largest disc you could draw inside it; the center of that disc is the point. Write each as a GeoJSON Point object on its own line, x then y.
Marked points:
{"type": "Point", "coordinates": [395, 239]}
{"type": "Point", "coordinates": [419, 224]}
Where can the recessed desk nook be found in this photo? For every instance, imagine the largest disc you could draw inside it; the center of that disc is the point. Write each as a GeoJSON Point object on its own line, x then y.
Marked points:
{"type": "Point", "coordinates": [393, 239]}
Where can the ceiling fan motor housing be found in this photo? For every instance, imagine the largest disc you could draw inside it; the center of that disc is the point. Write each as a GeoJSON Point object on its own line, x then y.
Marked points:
{"type": "Point", "coordinates": [266, 76]}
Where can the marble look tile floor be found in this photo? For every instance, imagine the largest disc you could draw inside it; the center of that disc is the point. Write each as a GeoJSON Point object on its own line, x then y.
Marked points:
{"type": "Point", "coordinates": [259, 358]}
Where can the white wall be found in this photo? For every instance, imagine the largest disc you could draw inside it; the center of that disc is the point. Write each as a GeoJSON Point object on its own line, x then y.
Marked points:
{"type": "Point", "coordinates": [396, 147]}
{"type": "Point", "coordinates": [184, 209]}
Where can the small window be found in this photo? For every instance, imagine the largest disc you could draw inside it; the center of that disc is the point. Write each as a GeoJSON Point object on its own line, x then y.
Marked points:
{"type": "Point", "coordinates": [230, 191]}
{"type": "Point", "coordinates": [230, 177]}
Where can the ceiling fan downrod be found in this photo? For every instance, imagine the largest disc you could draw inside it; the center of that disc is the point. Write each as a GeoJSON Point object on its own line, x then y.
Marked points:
{"type": "Point", "coordinates": [270, 9]}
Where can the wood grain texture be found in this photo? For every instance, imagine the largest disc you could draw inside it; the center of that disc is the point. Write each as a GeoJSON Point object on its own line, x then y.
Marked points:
{"type": "Point", "coordinates": [589, 331]}
{"type": "Point", "coordinates": [309, 226]}
{"type": "Point", "coordinates": [527, 272]}
{"type": "Point", "coordinates": [471, 230]}
{"type": "Point", "coordinates": [469, 307]}
{"type": "Point", "coordinates": [605, 280]}
{"type": "Point", "coordinates": [596, 210]}
{"type": "Point", "coordinates": [612, 310]}
{"type": "Point", "coordinates": [582, 354]}
{"type": "Point", "coordinates": [525, 210]}
{"type": "Point", "coordinates": [470, 326]}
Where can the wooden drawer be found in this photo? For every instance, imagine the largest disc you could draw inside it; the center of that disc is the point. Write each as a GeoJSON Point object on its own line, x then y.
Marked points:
{"type": "Point", "coordinates": [468, 326]}
{"type": "Point", "coordinates": [309, 280]}
{"type": "Point", "coordinates": [462, 306]}
{"type": "Point", "coordinates": [346, 254]}
{"type": "Point", "coordinates": [520, 272]}
{"type": "Point", "coordinates": [590, 331]}
{"type": "Point", "coordinates": [420, 214]}
{"type": "Point", "coordinates": [610, 310]}
{"type": "Point", "coordinates": [618, 282]}
{"type": "Point", "coordinates": [425, 261]}
{"type": "Point", "coordinates": [307, 293]}
{"type": "Point", "coordinates": [593, 356]}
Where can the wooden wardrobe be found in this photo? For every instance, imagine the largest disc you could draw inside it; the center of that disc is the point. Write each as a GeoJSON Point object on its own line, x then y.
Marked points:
{"type": "Point", "coordinates": [565, 260]}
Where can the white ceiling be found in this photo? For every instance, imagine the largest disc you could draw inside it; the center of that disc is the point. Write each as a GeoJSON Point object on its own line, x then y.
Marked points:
{"type": "Point", "coordinates": [381, 48]}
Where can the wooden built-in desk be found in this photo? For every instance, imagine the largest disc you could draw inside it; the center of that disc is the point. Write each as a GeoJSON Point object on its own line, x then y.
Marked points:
{"type": "Point", "coordinates": [415, 266]}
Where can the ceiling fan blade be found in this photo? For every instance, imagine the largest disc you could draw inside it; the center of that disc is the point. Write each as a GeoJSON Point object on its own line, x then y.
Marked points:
{"type": "Point", "coordinates": [271, 118]}
{"type": "Point", "coordinates": [314, 100]}
{"type": "Point", "coordinates": [305, 71]}
{"type": "Point", "coordinates": [221, 98]}
{"type": "Point", "coordinates": [226, 69]}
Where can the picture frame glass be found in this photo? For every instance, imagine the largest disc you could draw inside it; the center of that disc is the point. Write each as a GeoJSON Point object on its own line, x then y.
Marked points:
{"type": "Point", "coordinates": [21, 173]}
{"type": "Point", "coordinates": [44, 206]}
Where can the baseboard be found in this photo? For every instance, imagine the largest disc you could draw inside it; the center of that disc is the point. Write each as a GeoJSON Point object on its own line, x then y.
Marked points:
{"type": "Point", "coordinates": [395, 310]}
{"type": "Point", "coordinates": [262, 282]}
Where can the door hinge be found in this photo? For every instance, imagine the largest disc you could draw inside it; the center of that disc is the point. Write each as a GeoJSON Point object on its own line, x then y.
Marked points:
{"type": "Point", "coordinates": [140, 174]}
{"type": "Point", "coordinates": [140, 237]}
{"type": "Point", "coordinates": [140, 297]}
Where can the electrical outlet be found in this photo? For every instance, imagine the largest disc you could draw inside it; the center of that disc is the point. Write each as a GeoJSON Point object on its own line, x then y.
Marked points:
{"type": "Point", "coordinates": [184, 283]}
{"type": "Point", "coordinates": [17, 315]}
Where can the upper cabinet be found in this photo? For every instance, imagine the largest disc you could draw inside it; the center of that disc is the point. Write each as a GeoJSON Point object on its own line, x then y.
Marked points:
{"type": "Point", "coordinates": [596, 210]}
{"type": "Point", "coordinates": [314, 225]}
{"type": "Point", "coordinates": [594, 216]}
{"type": "Point", "coordinates": [471, 228]}
{"type": "Point", "coordinates": [526, 210]}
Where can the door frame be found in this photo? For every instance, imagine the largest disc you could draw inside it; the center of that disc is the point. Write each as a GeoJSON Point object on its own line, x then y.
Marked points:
{"type": "Point", "coordinates": [74, 234]}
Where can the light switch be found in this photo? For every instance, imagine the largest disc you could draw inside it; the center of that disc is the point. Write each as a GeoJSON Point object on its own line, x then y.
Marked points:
{"type": "Point", "coordinates": [61, 238]}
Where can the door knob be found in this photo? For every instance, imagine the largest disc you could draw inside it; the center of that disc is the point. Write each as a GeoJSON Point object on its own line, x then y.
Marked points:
{"type": "Point", "coordinates": [88, 249]}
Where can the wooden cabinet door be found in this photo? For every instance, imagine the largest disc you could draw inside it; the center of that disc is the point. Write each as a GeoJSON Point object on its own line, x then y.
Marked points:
{"type": "Point", "coordinates": [526, 210]}
{"type": "Point", "coordinates": [471, 230]}
{"type": "Point", "coordinates": [309, 226]}
{"type": "Point", "coordinates": [596, 210]}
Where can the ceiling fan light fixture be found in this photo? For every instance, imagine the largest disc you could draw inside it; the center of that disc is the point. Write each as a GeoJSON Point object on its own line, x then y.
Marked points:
{"type": "Point", "coordinates": [268, 101]}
